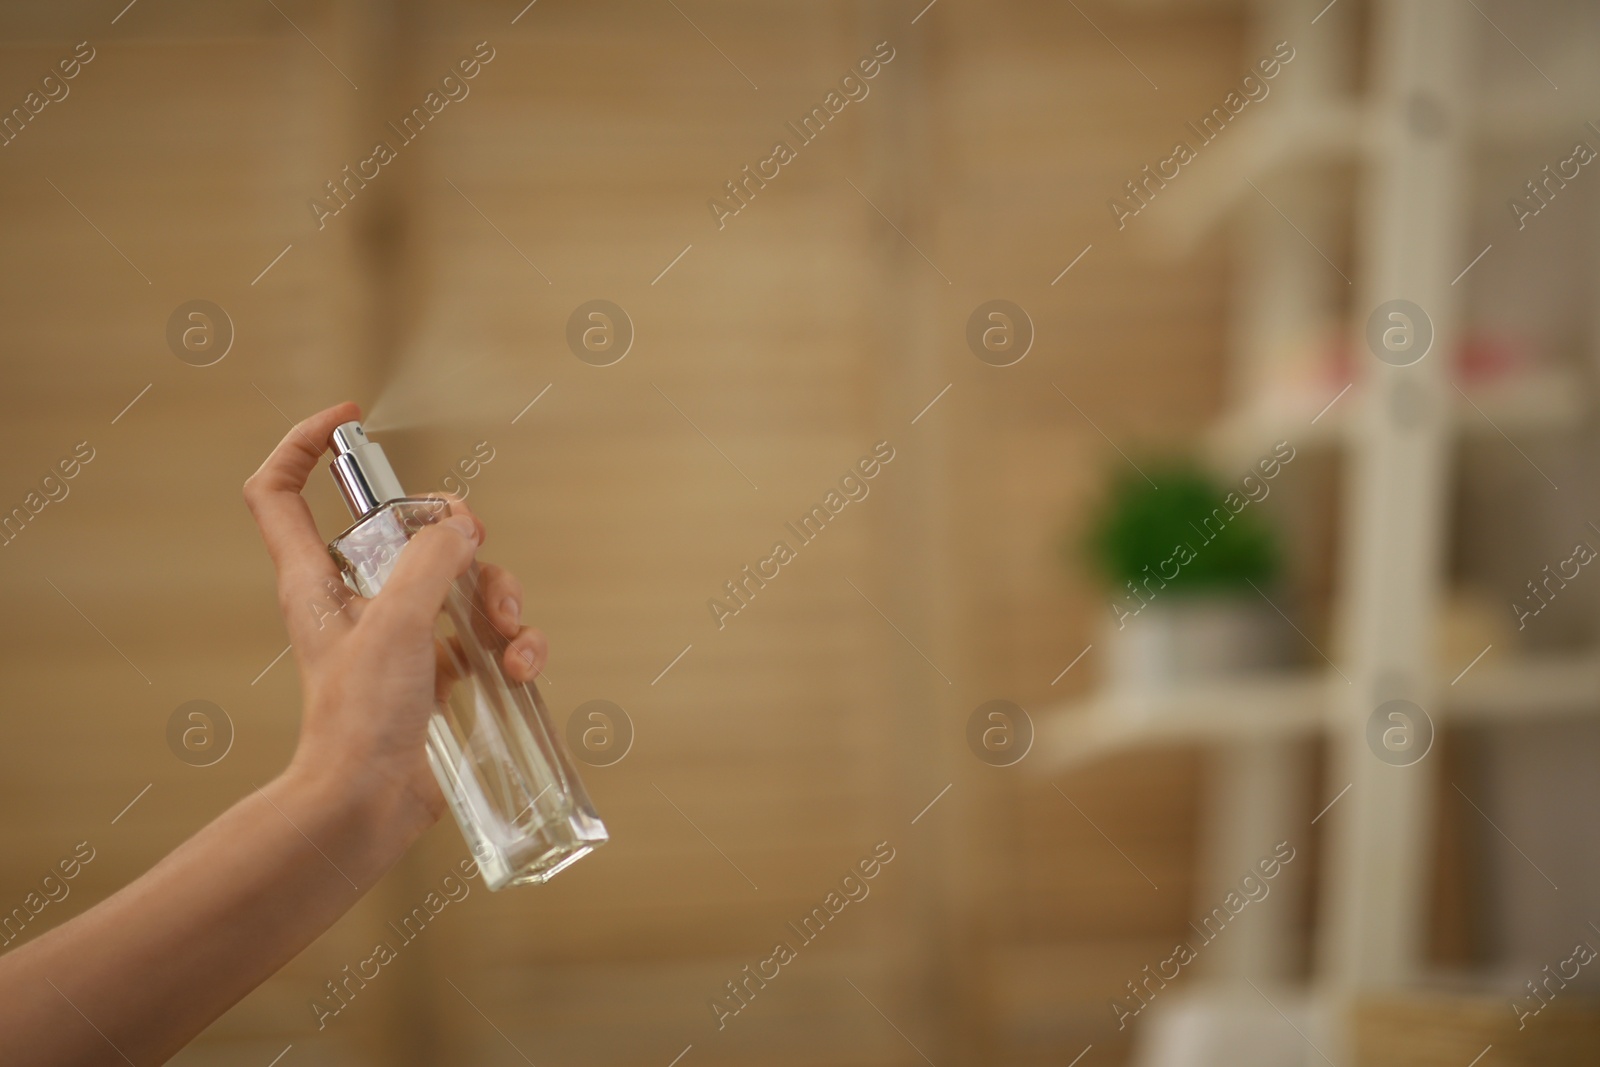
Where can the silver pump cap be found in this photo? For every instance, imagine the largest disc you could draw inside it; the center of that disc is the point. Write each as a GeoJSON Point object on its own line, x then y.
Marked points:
{"type": "Point", "coordinates": [362, 471]}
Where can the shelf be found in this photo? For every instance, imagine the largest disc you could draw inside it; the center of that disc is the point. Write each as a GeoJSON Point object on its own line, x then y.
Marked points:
{"type": "Point", "coordinates": [1526, 687]}
{"type": "Point", "coordinates": [1288, 705]}
{"type": "Point", "coordinates": [1319, 132]}
{"type": "Point", "coordinates": [1264, 706]}
{"type": "Point", "coordinates": [1518, 119]}
{"type": "Point", "coordinates": [1537, 402]}
{"type": "Point", "coordinates": [1302, 132]}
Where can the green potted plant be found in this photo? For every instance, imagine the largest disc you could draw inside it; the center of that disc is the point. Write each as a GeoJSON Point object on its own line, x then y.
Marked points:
{"type": "Point", "coordinates": [1187, 563]}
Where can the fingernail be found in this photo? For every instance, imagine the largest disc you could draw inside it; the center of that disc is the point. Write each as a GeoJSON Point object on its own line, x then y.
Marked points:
{"type": "Point", "coordinates": [511, 609]}
{"type": "Point", "coordinates": [463, 526]}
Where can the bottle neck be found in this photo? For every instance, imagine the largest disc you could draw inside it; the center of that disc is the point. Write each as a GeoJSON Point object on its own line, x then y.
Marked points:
{"type": "Point", "coordinates": [362, 472]}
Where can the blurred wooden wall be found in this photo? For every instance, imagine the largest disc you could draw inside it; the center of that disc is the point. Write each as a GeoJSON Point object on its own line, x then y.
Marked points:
{"type": "Point", "coordinates": [821, 320]}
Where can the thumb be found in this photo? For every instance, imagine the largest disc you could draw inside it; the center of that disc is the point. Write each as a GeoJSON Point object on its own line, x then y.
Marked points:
{"type": "Point", "coordinates": [409, 602]}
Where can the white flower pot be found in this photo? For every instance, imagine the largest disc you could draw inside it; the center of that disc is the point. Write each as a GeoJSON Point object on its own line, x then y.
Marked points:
{"type": "Point", "coordinates": [1179, 640]}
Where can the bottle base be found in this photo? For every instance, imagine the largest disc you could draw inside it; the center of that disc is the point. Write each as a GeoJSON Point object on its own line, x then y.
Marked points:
{"type": "Point", "coordinates": [540, 855]}
{"type": "Point", "coordinates": [546, 871]}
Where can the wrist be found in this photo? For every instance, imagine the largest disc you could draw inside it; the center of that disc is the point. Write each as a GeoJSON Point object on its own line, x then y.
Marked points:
{"type": "Point", "coordinates": [363, 821]}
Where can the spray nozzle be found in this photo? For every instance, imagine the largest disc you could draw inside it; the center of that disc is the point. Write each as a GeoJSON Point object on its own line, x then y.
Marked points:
{"type": "Point", "coordinates": [362, 471]}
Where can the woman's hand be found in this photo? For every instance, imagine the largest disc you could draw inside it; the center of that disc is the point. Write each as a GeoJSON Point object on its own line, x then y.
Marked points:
{"type": "Point", "coordinates": [167, 954]}
{"type": "Point", "coordinates": [371, 671]}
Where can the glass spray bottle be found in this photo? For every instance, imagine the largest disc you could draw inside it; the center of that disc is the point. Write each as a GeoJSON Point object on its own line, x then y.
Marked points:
{"type": "Point", "coordinates": [500, 761]}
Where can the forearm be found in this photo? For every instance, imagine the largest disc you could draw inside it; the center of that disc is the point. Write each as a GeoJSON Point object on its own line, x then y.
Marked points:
{"type": "Point", "coordinates": [156, 963]}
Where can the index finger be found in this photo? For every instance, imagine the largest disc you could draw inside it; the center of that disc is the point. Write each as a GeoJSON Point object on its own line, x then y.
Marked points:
{"type": "Point", "coordinates": [273, 495]}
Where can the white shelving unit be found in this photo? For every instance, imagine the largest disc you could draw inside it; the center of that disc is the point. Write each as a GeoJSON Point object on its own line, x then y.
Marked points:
{"type": "Point", "coordinates": [1397, 430]}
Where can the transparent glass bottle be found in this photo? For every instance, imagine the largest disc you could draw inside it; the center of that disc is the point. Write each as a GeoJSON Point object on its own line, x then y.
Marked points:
{"type": "Point", "coordinates": [500, 761]}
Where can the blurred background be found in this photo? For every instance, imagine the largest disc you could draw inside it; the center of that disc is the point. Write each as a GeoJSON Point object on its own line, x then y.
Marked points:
{"type": "Point", "coordinates": [1215, 656]}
